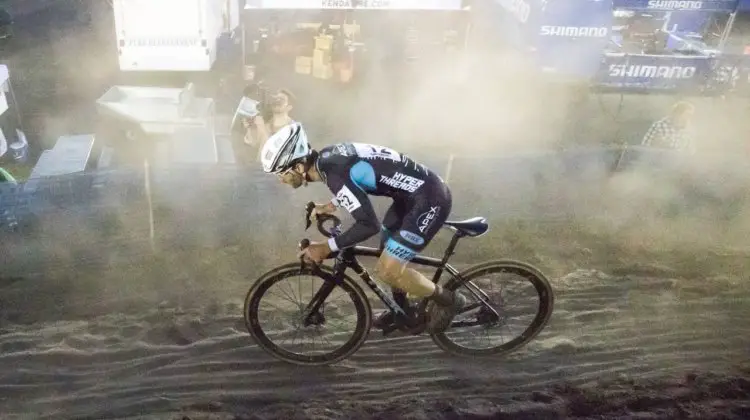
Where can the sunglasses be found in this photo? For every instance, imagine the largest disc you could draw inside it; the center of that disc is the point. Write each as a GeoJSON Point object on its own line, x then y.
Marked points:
{"type": "Point", "coordinates": [281, 174]}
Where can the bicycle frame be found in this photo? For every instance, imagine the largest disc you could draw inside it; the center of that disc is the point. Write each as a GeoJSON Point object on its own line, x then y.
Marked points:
{"type": "Point", "coordinates": [347, 258]}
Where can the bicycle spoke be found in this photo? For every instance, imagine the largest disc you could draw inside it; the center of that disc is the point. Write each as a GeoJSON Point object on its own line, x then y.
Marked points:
{"type": "Point", "coordinates": [327, 325]}
{"type": "Point", "coordinates": [489, 319]}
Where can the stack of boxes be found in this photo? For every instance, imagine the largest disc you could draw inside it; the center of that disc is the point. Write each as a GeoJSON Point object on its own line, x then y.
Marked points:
{"type": "Point", "coordinates": [320, 65]}
{"type": "Point", "coordinates": [303, 64]}
{"type": "Point", "coordinates": [321, 59]}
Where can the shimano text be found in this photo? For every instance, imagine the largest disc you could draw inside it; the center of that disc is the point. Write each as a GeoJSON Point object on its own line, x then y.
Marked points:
{"type": "Point", "coordinates": [574, 31]}
{"type": "Point", "coordinates": [675, 5]}
{"type": "Point", "coordinates": [652, 72]}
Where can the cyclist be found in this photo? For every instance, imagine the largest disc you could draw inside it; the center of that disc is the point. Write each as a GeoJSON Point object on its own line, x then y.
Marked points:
{"type": "Point", "coordinates": [353, 171]}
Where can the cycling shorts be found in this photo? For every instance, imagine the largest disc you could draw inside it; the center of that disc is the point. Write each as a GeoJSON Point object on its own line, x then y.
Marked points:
{"type": "Point", "coordinates": [409, 225]}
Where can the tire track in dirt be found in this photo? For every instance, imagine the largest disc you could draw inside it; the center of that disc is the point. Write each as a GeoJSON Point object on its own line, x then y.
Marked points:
{"type": "Point", "coordinates": [602, 328]}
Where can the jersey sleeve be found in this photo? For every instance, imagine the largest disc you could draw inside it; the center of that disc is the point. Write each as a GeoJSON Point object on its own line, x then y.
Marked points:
{"type": "Point", "coordinates": [350, 195]}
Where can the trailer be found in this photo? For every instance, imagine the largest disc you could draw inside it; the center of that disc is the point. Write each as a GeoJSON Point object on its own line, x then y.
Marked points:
{"type": "Point", "coordinates": [172, 35]}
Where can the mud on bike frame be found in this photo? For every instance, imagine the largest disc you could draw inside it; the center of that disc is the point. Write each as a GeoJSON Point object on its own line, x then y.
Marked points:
{"type": "Point", "coordinates": [347, 258]}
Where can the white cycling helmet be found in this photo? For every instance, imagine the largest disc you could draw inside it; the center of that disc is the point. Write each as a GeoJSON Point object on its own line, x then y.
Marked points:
{"type": "Point", "coordinates": [284, 147]}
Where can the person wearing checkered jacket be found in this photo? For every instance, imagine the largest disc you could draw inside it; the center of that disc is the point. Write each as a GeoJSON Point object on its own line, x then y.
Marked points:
{"type": "Point", "coordinates": [672, 131]}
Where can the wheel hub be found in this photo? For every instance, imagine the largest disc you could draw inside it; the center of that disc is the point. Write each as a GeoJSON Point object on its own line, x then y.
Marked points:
{"type": "Point", "coordinates": [315, 318]}
{"type": "Point", "coordinates": [487, 317]}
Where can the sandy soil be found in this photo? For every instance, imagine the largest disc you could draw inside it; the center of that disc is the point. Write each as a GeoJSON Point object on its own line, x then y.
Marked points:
{"type": "Point", "coordinates": [617, 346]}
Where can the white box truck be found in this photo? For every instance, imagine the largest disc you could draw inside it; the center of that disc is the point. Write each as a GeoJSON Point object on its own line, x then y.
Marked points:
{"type": "Point", "coordinates": [171, 35]}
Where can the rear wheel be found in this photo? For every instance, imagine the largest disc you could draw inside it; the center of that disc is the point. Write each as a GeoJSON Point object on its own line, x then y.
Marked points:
{"type": "Point", "coordinates": [276, 312]}
{"type": "Point", "coordinates": [490, 310]}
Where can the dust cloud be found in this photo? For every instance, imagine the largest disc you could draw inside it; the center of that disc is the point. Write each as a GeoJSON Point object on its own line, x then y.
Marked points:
{"type": "Point", "coordinates": [485, 108]}
{"type": "Point", "coordinates": [96, 306]}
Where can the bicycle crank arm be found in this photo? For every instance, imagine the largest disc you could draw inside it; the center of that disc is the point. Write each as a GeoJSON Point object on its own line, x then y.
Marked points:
{"type": "Point", "coordinates": [408, 325]}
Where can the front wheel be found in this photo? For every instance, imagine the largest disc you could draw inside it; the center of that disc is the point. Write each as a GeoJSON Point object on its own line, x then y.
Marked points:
{"type": "Point", "coordinates": [490, 310]}
{"type": "Point", "coordinates": [277, 312]}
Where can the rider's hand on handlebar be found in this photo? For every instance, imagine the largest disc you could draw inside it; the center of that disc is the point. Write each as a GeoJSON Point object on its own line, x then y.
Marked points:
{"type": "Point", "coordinates": [315, 253]}
{"type": "Point", "coordinates": [327, 208]}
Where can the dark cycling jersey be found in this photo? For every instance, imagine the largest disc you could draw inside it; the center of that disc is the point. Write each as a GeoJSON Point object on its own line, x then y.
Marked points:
{"type": "Point", "coordinates": [421, 200]}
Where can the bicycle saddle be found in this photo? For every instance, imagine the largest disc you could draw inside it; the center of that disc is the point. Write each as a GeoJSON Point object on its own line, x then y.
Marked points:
{"type": "Point", "coordinates": [475, 226]}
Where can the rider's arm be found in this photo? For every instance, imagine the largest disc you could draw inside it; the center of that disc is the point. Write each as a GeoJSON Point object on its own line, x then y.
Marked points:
{"type": "Point", "coordinates": [366, 224]}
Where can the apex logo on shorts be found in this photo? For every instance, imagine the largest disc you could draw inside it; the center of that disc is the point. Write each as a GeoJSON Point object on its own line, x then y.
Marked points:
{"type": "Point", "coordinates": [402, 182]}
{"type": "Point", "coordinates": [424, 221]}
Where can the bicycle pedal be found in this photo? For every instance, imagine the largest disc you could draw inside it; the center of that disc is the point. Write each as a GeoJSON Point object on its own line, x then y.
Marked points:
{"type": "Point", "coordinates": [397, 326]}
{"type": "Point", "coordinates": [417, 330]}
{"type": "Point", "coordinates": [419, 325]}
{"type": "Point", "coordinates": [389, 329]}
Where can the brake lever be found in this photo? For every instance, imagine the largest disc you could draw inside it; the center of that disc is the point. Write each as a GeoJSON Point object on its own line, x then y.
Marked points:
{"type": "Point", "coordinates": [302, 245]}
{"type": "Point", "coordinates": [308, 213]}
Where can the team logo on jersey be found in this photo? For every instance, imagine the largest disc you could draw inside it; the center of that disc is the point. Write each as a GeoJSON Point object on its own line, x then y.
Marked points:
{"type": "Point", "coordinates": [424, 221]}
{"type": "Point", "coordinates": [341, 150]}
{"type": "Point", "coordinates": [402, 182]}
{"type": "Point", "coordinates": [412, 237]}
{"type": "Point", "coordinates": [371, 151]}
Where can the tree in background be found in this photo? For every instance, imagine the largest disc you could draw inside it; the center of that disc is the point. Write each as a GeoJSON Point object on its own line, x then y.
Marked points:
{"type": "Point", "coordinates": [6, 21]}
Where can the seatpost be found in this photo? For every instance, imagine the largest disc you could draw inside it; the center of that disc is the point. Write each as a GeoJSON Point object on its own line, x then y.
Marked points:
{"type": "Point", "coordinates": [451, 246]}
{"type": "Point", "coordinates": [448, 252]}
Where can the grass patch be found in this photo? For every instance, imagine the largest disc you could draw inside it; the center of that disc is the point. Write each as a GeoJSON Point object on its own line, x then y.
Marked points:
{"type": "Point", "coordinates": [20, 171]}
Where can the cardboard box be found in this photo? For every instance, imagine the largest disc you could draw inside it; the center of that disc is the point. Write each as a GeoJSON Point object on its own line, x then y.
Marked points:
{"type": "Point", "coordinates": [322, 72]}
{"type": "Point", "coordinates": [321, 57]}
{"type": "Point", "coordinates": [351, 30]}
{"type": "Point", "coordinates": [303, 65]}
{"type": "Point", "coordinates": [323, 42]}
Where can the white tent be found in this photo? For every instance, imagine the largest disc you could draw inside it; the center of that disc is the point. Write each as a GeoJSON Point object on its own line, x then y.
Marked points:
{"type": "Point", "coordinates": [4, 76]}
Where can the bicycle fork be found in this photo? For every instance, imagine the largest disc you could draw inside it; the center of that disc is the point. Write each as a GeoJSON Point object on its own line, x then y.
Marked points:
{"type": "Point", "coordinates": [310, 314]}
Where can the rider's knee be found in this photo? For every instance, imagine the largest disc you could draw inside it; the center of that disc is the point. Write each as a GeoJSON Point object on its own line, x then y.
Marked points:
{"type": "Point", "coordinates": [389, 272]}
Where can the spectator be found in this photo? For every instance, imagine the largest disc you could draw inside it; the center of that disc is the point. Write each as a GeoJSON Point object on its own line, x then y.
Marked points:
{"type": "Point", "coordinates": [257, 129]}
{"type": "Point", "coordinates": [672, 131]}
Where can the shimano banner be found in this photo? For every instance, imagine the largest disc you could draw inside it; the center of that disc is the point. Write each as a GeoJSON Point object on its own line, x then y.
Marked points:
{"type": "Point", "coordinates": [508, 23]}
{"type": "Point", "coordinates": [654, 72]}
{"type": "Point", "coordinates": [672, 5]}
{"type": "Point", "coordinates": [572, 36]}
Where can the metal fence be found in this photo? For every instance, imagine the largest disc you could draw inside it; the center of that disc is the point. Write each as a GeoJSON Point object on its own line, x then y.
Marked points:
{"type": "Point", "coordinates": [106, 216]}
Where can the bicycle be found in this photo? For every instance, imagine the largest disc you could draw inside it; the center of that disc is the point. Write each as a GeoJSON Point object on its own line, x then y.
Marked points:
{"type": "Point", "coordinates": [311, 314]}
